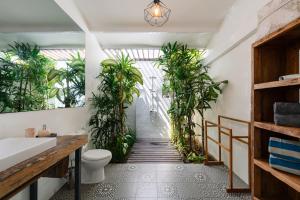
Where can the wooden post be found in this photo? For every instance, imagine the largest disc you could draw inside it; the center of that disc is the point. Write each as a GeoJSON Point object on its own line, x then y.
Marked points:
{"type": "Point", "coordinates": [33, 190]}
{"type": "Point", "coordinates": [219, 138]}
{"type": "Point", "coordinates": [249, 157]}
{"type": "Point", "coordinates": [77, 173]}
{"type": "Point", "coordinates": [230, 161]}
{"type": "Point", "coordinates": [206, 142]}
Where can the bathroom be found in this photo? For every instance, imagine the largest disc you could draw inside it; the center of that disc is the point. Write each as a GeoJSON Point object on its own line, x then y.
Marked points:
{"type": "Point", "coordinates": [58, 143]}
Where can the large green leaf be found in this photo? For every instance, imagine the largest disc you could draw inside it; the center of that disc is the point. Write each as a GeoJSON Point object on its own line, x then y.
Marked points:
{"type": "Point", "coordinates": [136, 91]}
{"type": "Point", "coordinates": [53, 73]}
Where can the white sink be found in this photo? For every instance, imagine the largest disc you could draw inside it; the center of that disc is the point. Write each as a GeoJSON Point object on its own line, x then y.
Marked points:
{"type": "Point", "coordinates": [16, 150]}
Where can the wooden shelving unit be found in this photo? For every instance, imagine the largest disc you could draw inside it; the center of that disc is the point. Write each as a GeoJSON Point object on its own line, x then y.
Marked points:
{"type": "Point", "coordinates": [289, 131]}
{"type": "Point", "coordinates": [273, 56]}
{"type": "Point", "coordinates": [276, 84]}
{"type": "Point", "coordinates": [290, 179]}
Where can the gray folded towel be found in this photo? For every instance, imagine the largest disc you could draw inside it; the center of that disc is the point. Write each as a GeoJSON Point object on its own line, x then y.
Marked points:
{"type": "Point", "coordinates": [284, 108]}
{"type": "Point", "coordinates": [287, 120]}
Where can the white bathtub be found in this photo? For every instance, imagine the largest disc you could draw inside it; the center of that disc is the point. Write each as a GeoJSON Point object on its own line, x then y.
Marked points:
{"type": "Point", "coordinates": [16, 150]}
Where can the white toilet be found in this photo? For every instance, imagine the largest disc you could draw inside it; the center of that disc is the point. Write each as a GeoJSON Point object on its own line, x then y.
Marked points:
{"type": "Point", "coordinates": [93, 162]}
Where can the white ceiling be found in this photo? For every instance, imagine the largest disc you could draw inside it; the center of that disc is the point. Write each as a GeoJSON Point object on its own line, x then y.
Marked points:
{"type": "Point", "coordinates": [120, 23]}
{"type": "Point", "coordinates": [150, 39]}
{"type": "Point", "coordinates": [128, 15]}
{"type": "Point", "coordinates": [44, 40]}
{"type": "Point", "coordinates": [116, 23]}
{"type": "Point", "coordinates": [34, 16]}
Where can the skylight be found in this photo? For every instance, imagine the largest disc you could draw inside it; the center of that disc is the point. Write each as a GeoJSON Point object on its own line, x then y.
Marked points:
{"type": "Point", "coordinates": [136, 54]}
{"type": "Point", "coordinates": [62, 54]}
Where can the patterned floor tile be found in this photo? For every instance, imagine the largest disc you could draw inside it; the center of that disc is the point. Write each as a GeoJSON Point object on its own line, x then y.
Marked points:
{"type": "Point", "coordinates": [121, 176]}
{"type": "Point", "coordinates": [146, 177]}
{"type": "Point", "coordinates": [168, 190]}
{"type": "Point", "coordinates": [159, 182]}
{"type": "Point", "coordinates": [148, 190]}
{"type": "Point", "coordinates": [125, 190]}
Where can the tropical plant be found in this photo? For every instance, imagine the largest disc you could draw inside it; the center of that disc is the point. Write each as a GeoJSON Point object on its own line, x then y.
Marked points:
{"type": "Point", "coordinates": [70, 82]}
{"type": "Point", "coordinates": [193, 157]}
{"type": "Point", "coordinates": [24, 85]}
{"type": "Point", "coordinates": [28, 79]}
{"type": "Point", "coordinates": [191, 88]}
{"type": "Point", "coordinates": [116, 91]}
{"type": "Point", "coordinates": [7, 75]}
{"type": "Point", "coordinates": [208, 91]}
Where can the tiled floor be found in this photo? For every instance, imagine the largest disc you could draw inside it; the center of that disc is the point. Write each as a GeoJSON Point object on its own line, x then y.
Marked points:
{"type": "Point", "coordinates": [159, 181]}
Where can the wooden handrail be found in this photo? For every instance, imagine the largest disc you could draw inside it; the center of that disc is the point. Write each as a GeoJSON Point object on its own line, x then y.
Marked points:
{"type": "Point", "coordinates": [216, 142]}
{"type": "Point", "coordinates": [234, 119]}
{"type": "Point", "coordinates": [222, 131]}
{"type": "Point", "coordinates": [212, 124]}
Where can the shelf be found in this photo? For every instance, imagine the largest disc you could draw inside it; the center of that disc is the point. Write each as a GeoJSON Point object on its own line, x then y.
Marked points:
{"type": "Point", "coordinates": [275, 55]}
{"type": "Point", "coordinates": [290, 131]}
{"type": "Point", "coordinates": [289, 179]}
{"type": "Point", "coordinates": [280, 32]}
{"type": "Point", "coordinates": [277, 84]}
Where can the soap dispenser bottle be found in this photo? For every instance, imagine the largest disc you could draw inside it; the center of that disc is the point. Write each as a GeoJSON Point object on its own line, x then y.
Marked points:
{"type": "Point", "coordinates": [43, 132]}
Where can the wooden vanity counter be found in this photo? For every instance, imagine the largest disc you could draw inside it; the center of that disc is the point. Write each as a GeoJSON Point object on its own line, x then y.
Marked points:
{"type": "Point", "coordinates": [16, 178]}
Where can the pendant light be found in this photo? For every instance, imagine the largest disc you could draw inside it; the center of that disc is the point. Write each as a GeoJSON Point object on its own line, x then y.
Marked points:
{"type": "Point", "coordinates": [157, 13]}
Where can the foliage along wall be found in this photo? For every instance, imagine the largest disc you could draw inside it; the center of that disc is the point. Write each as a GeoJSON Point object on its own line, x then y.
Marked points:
{"type": "Point", "coordinates": [118, 86]}
{"type": "Point", "coordinates": [192, 90]}
{"type": "Point", "coordinates": [30, 81]}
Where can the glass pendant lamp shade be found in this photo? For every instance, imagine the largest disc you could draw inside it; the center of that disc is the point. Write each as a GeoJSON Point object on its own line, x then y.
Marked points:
{"type": "Point", "coordinates": [157, 13]}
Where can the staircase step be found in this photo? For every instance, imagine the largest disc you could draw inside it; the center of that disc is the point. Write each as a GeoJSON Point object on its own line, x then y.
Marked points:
{"type": "Point", "coordinates": [156, 154]}
{"type": "Point", "coordinates": [153, 150]}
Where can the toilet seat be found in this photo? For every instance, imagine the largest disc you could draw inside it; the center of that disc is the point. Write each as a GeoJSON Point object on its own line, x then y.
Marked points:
{"type": "Point", "coordinates": [96, 154]}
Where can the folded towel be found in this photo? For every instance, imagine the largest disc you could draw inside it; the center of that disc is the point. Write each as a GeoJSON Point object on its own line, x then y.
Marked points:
{"type": "Point", "coordinates": [285, 149]}
{"type": "Point", "coordinates": [289, 77]}
{"type": "Point", "coordinates": [284, 165]}
{"type": "Point", "coordinates": [287, 120]}
{"type": "Point", "coordinates": [285, 108]}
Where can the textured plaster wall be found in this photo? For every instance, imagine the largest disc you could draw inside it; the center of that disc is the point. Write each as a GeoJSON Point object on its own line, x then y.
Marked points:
{"type": "Point", "coordinates": [229, 55]}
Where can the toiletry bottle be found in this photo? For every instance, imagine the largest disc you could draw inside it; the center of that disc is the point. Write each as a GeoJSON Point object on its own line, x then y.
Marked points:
{"type": "Point", "coordinates": [43, 132]}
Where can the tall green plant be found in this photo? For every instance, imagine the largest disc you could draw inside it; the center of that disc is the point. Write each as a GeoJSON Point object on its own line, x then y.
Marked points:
{"type": "Point", "coordinates": [7, 77]}
{"type": "Point", "coordinates": [208, 91]}
{"type": "Point", "coordinates": [70, 80]}
{"type": "Point", "coordinates": [191, 87]}
{"type": "Point", "coordinates": [24, 71]}
{"type": "Point", "coordinates": [116, 91]}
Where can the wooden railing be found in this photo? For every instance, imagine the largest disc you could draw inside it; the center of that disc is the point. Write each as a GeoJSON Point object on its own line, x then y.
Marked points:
{"type": "Point", "coordinates": [222, 130]}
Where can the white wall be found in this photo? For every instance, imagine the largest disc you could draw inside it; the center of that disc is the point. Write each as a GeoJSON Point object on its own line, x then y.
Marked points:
{"type": "Point", "coordinates": [61, 121]}
{"type": "Point", "coordinates": [152, 124]}
{"type": "Point", "coordinates": [230, 59]}
{"type": "Point", "coordinates": [239, 24]}
{"type": "Point", "coordinates": [94, 55]}
{"type": "Point", "coordinates": [58, 120]}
